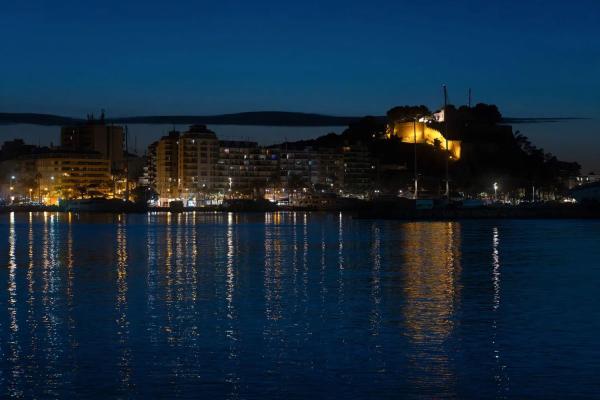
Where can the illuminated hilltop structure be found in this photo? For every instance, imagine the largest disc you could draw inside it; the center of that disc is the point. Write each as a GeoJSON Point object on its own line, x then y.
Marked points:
{"type": "Point", "coordinates": [423, 133]}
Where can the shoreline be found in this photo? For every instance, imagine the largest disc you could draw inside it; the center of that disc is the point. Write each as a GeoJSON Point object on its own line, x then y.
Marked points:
{"type": "Point", "coordinates": [372, 211]}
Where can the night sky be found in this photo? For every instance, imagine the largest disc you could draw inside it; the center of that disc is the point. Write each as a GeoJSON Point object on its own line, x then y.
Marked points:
{"type": "Point", "coordinates": [531, 58]}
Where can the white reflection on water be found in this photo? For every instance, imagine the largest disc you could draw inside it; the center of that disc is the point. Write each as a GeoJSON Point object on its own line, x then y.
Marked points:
{"type": "Point", "coordinates": [375, 317]}
{"type": "Point", "coordinates": [231, 332]}
{"type": "Point", "coordinates": [14, 348]}
{"type": "Point", "coordinates": [32, 320]}
{"type": "Point", "coordinates": [305, 261]}
{"type": "Point", "coordinates": [341, 263]}
{"type": "Point", "coordinates": [500, 375]}
{"type": "Point", "coordinates": [496, 267]}
{"type": "Point", "coordinates": [70, 276]}
{"type": "Point", "coordinates": [192, 273]}
{"type": "Point", "coordinates": [52, 318]}
{"type": "Point", "coordinates": [230, 269]}
{"type": "Point", "coordinates": [168, 281]}
{"type": "Point", "coordinates": [152, 278]}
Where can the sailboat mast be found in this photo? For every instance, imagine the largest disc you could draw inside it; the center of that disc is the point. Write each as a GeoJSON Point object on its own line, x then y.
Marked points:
{"type": "Point", "coordinates": [446, 137]}
{"type": "Point", "coordinates": [126, 163]}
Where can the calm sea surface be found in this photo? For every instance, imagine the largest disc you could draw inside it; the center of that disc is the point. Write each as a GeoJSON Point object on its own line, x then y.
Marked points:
{"type": "Point", "coordinates": [295, 306]}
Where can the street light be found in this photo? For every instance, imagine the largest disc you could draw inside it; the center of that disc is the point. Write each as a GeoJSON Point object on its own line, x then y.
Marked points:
{"type": "Point", "coordinates": [495, 190]}
{"type": "Point", "coordinates": [12, 187]}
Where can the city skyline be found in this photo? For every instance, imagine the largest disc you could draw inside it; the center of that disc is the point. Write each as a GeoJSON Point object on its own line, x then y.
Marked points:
{"type": "Point", "coordinates": [536, 59]}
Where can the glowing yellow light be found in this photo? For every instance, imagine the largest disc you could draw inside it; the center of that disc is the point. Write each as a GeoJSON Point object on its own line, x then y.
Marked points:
{"type": "Point", "coordinates": [407, 131]}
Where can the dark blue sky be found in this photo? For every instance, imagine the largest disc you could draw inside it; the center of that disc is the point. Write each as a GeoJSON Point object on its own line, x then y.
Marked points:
{"type": "Point", "coordinates": [532, 58]}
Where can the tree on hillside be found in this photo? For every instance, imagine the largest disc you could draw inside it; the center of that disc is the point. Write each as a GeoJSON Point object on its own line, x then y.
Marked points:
{"type": "Point", "coordinates": [400, 113]}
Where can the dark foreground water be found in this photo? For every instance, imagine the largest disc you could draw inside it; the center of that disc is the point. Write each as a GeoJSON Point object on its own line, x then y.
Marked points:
{"type": "Point", "coordinates": [297, 305]}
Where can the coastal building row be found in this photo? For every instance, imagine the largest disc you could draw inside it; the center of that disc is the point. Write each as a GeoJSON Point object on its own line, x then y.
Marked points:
{"type": "Point", "coordinates": [195, 166]}
{"type": "Point", "coordinates": [89, 162]}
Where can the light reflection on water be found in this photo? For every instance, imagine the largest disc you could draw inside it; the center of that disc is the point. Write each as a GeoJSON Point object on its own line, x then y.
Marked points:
{"type": "Point", "coordinates": [286, 305]}
{"type": "Point", "coordinates": [431, 269]}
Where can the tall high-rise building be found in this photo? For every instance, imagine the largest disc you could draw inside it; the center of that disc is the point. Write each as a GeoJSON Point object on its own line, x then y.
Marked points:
{"type": "Point", "coordinates": [167, 166]}
{"type": "Point", "coordinates": [148, 177]}
{"type": "Point", "coordinates": [182, 166]}
{"type": "Point", "coordinates": [96, 135]}
{"type": "Point", "coordinates": [198, 155]}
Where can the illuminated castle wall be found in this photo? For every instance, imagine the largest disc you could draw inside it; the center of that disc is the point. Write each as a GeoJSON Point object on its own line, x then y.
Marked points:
{"type": "Point", "coordinates": [425, 134]}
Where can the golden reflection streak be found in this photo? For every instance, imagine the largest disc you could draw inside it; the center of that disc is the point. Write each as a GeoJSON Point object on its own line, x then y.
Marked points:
{"type": "Point", "coordinates": [272, 274]}
{"type": "Point", "coordinates": [69, 265]}
{"type": "Point", "coordinates": [124, 362]}
{"type": "Point", "coordinates": [431, 291]}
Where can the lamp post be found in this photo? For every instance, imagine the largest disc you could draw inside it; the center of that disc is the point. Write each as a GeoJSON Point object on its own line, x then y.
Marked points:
{"type": "Point", "coordinates": [495, 191]}
{"type": "Point", "coordinates": [12, 188]}
{"type": "Point", "coordinates": [52, 190]}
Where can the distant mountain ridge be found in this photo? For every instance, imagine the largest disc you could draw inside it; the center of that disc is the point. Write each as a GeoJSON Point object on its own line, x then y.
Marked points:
{"type": "Point", "coordinates": [268, 118]}
{"type": "Point", "coordinates": [265, 118]}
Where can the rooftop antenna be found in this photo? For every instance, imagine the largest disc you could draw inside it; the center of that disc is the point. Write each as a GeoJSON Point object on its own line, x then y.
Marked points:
{"type": "Point", "coordinates": [469, 97]}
